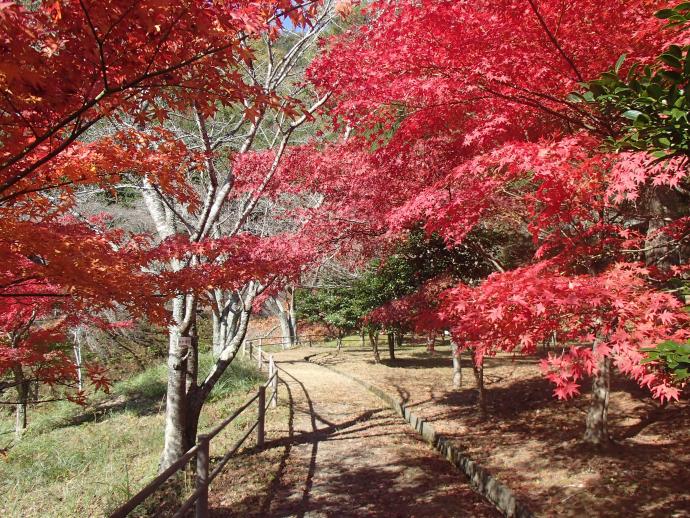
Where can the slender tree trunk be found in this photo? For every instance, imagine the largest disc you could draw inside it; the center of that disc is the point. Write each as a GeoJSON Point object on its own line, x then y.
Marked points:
{"type": "Point", "coordinates": [457, 365]}
{"type": "Point", "coordinates": [191, 379]}
{"type": "Point", "coordinates": [195, 403]}
{"type": "Point", "coordinates": [22, 387]}
{"type": "Point", "coordinates": [225, 321]}
{"type": "Point", "coordinates": [293, 318]}
{"type": "Point", "coordinates": [218, 338]}
{"type": "Point", "coordinates": [77, 359]}
{"type": "Point", "coordinates": [391, 345]}
{"type": "Point", "coordinates": [361, 337]}
{"type": "Point", "coordinates": [339, 340]}
{"type": "Point", "coordinates": [479, 380]}
{"type": "Point", "coordinates": [398, 335]}
{"type": "Point", "coordinates": [431, 342]}
{"type": "Point", "coordinates": [186, 392]}
{"type": "Point", "coordinates": [596, 431]}
{"type": "Point", "coordinates": [374, 340]}
{"type": "Point", "coordinates": [175, 405]}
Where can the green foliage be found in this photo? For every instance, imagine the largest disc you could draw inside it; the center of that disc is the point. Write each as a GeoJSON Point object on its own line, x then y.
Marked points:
{"type": "Point", "coordinates": [651, 109]}
{"type": "Point", "coordinates": [336, 308]}
{"type": "Point", "coordinates": [650, 104]}
{"type": "Point", "coordinates": [677, 16]}
{"type": "Point", "coordinates": [674, 356]}
{"type": "Point", "coordinates": [415, 261]}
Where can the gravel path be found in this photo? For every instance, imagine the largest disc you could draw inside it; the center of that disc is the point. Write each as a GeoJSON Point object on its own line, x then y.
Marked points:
{"type": "Point", "coordinates": [346, 454]}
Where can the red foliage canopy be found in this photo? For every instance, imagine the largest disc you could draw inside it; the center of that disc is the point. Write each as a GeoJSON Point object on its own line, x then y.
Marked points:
{"type": "Point", "coordinates": [465, 108]}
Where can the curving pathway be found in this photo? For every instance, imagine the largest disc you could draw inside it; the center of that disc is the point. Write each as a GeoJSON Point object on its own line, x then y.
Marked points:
{"type": "Point", "coordinates": [346, 454]}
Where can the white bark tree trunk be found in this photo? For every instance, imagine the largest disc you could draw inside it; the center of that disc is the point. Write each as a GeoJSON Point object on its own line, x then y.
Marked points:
{"type": "Point", "coordinates": [457, 365]}
{"type": "Point", "coordinates": [77, 358]}
{"type": "Point", "coordinates": [175, 437]}
{"type": "Point", "coordinates": [283, 308]}
{"type": "Point", "coordinates": [21, 416]}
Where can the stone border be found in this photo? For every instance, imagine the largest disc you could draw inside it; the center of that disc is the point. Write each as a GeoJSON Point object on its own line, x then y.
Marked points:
{"type": "Point", "coordinates": [480, 479]}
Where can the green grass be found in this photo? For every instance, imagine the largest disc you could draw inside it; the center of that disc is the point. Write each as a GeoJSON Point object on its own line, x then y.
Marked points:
{"type": "Point", "coordinates": [73, 462]}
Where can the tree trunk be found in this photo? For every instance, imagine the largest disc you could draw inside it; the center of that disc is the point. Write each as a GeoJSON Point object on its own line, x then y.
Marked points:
{"type": "Point", "coordinates": [77, 359]}
{"type": "Point", "coordinates": [293, 318]}
{"type": "Point", "coordinates": [457, 366]}
{"type": "Point", "coordinates": [22, 387]}
{"type": "Point", "coordinates": [195, 402]}
{"type": "Point", "coordinates": [191, 379]}
{"type": "Point", "coordinates": [398, 335]}
{"type": "Point", "coordinates": [176, 401]}
{"type": "Point", "coordinates": [215, 325]}
{"type": "Point", "coordinates": [284, 309]}
{"type": "Point", "coordinates": [225, 320]}
{"type": "Point", "coordinates": [285, 328]}
{"type": "Point", "coordinates": [430, 342]}
{"type": "Point", "coordinates": [656, 243]}
{"type": "Point", "coordinates": [479, 380]}
{"type": "Point", "coordinates": [180, 343]}
{"type": "Point", "coordinates": [596, 431]}
{"type": "Point", "coordinates": [186, 396]}
{"type": "Point", "coordinates": [361, 337]}
{"type": "Point", "coordinates": [339, 340]}
{"type": "Point", "coordinates": [374, 340]}
{"type": "Point", "coordinates": [391, 345]}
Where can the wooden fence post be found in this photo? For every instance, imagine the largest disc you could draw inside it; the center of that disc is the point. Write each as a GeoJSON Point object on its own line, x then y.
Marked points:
{"type": "Point", "coordinates": [251, 349]}
{"type": "Point", "coordinates": [244, 348]}
{"type": "Point", "coordinates": [202, 459]}
{"type": "Point", "coordinates": [260, 359]}
{"type": "Point", "coordinates": [262, 417]}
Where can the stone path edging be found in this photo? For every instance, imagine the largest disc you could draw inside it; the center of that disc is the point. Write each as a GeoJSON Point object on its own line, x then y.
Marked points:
{"type": "Point", "coordinates": [481, 480]}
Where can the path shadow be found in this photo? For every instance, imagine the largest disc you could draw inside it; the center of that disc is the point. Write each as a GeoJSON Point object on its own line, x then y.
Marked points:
{"type": "Point", "coordinates": [263, 501]}
{"type": "Point", "coordinates": [648, 474]}
{"type": "Point", "coordinates": [410, 488]}
{"type": "Point", "coordinates": [430, 362]}
{"type": "Point", "coordinates": [356, 488]}
{"type": "Point", "coordinates": [137, 404]}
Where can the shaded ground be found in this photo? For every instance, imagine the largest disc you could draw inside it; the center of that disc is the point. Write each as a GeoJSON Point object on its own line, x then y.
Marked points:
{"type": "Point", "coordinates": [341, 453]}
{"type": "Point", "coordinates": [530, 441]}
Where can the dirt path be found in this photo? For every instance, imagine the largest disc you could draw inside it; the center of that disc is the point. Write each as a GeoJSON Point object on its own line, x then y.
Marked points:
{"type": "Point", "coordinates": [532, 442]}
{"type": "Point", "coordinates": [346, 454]}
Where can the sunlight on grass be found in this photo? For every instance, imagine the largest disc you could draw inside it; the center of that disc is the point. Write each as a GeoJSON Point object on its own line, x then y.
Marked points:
{"type": "Point", "coordinates": [77, 462]}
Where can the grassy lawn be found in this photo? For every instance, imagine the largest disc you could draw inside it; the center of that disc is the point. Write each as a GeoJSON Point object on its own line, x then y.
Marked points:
{"type": "Point", "coordinates": [84, 462]}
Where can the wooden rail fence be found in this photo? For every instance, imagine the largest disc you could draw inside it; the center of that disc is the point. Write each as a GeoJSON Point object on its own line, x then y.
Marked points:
{"type": "Point", "coordinates": [203, 478]}
{"type": "Point", "coordinates": [199, 498]}
{"type": "Point", "coordinates": [284, 341]}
